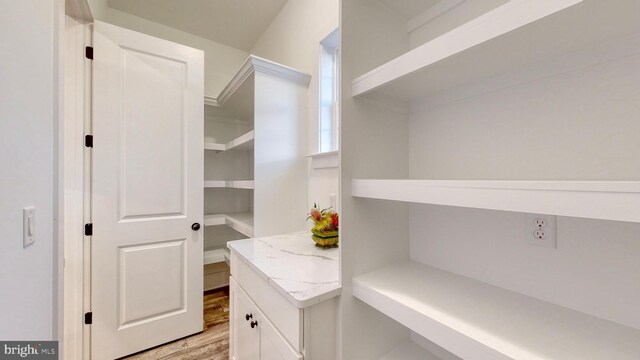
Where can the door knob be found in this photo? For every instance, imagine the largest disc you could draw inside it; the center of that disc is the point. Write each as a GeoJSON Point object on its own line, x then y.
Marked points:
{"type": "Point", "coordinates": [254, 324]}
{"type": "Point", "coordinates": [248, 316]}
{"type": "Point", "coordinates": [195, 226]}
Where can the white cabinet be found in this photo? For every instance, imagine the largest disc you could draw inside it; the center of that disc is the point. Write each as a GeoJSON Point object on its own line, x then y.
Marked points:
{"type": "Point", "coordinates": [245, 337]}
{"type": "Point", "coordinates": [253, 336]}
{"type": "Point", "coordinates": [268, 325]}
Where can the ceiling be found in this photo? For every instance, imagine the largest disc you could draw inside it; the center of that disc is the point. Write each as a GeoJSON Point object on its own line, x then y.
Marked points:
{"type": "Point", "coordinates": [237, 23]}
{"type": "Point", "coordinates": [409, 8]}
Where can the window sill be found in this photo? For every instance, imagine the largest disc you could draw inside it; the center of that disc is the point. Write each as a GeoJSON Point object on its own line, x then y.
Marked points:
{"type": "Point", "coordinates": [325, 160]}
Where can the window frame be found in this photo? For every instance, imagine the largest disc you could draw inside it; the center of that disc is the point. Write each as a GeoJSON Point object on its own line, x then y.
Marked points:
{"type": "Point", "coordinates": [329, 50]}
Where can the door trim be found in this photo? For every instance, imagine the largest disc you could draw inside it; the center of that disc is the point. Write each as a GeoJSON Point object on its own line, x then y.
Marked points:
{"type": "Point", "coordinates": [73, 175]}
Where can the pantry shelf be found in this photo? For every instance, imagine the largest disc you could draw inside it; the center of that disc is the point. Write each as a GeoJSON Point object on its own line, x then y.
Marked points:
{"type": "Point", "coordinates": [216, 256]}
{"type": "Point", "coordinates": [241, 221]}
{"type": "Point", "coordinates": [513, 36]}
{"type": "Point", "coordinates": [233, 184]}
{"type": "Point", "coordinates": [606, 200]}
{"type": "Point", "coordinates": [409, 351]}
{"type": "Point", "coordinates": [243, 142]}
{"type": "Point", "coordinates": [475, 320]}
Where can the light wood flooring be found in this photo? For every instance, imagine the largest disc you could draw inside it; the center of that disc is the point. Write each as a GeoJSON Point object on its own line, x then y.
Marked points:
{"type": "Point", "coordinates": [211, 344]}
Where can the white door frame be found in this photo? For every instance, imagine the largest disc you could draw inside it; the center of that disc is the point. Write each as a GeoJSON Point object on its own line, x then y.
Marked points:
{"type": "Point", "coordinates": [72, 192]}
{"type": "Point", "coordinates": [73, 279]}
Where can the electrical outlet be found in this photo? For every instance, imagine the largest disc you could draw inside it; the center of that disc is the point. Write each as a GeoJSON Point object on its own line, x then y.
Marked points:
{"type": "Point", "coordinates": [540, 230]}
{"type": "Point", "coordinates": [539, 234]}
{"type": "Point", "coordinates": [540, 222]}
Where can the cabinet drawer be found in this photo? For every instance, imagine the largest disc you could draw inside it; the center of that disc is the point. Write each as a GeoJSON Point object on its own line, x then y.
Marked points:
{"type": "Point", "coordinates": [286, 318]}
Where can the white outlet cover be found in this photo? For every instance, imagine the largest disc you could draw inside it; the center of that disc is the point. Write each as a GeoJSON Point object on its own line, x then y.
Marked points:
{"type": "Point", "coordinates": [534, 225]}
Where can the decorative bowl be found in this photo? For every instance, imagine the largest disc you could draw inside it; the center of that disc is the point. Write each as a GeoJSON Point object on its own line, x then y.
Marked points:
{"type": "Point", "coordinates": [325, 239]}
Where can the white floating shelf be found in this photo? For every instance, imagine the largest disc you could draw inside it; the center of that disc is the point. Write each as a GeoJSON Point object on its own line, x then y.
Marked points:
{"type": "Point", "coordinates": [233, 184]}
{"type": "Point", "coordinates": [241, 222]}
{"type": "Point", "coordinates": [606, 200]}
{"type": "Point", "coordinates": [512, 36]}
{"type": "Point", "coordinates": [241, 184]}
{"type": "Point", "coordinates": [216, 256]}
{"type": "Point", "coordinates": [214, 146]}
{"type": "Point", "coordinates": [215, 184]}
{"type": "Point", "coordinates": [243, 142]}
{"type": "Point", "coordinates": [474, 320]}
{"type": "Point", "coordinates": [215, 219]}
{"type": "Point", "coordinates": [409, 351]}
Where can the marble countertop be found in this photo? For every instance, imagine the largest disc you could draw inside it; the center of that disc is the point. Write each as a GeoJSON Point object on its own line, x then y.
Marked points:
{"type": "Point", "coordinates": [293, 265]}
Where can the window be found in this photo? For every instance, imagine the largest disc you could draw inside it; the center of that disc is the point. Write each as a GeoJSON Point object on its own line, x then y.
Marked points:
{"type": "Point", "coordinates": [329, 91]}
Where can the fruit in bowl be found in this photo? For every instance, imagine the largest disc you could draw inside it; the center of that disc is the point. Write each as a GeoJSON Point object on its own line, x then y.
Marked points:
{"type": "Point", "coordinates": [325, 228]}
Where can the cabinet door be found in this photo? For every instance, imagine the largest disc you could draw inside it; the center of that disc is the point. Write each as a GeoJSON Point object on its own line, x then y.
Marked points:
{"type": "Point", "coordinates": [244, 338]}
{"type": "Point", "coordinates": [273, 345]}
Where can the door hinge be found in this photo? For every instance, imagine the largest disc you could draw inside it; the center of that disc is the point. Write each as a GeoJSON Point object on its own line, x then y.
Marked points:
{"type": "Point", "coordinates": [88, 229]}
{"type": "Point", "coordinates": [88, 141]}
{"type": "Point", "coordinates": [88, 318]}
{"type": "Point", "coordinates": [88, 52]}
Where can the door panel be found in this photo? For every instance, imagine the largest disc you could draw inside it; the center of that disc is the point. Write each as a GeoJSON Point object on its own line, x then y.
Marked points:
{"type": "Point", "coordinates": [146, 191]}
{"type": "Point", "coordinates": [148, 288]}
{"type": "Point", "coordinates": [146, 80]}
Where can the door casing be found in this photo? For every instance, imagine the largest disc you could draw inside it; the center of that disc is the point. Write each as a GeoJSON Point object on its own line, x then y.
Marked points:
{"type": "Point", "coordinates": [72, 178]}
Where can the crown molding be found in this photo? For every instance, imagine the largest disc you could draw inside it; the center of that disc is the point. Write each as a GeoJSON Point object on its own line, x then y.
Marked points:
{"type": "Point", "coordinates": [211, 101]}
{"type": "Point", "coordinates": [279, 70]}
{"type": "Point", "coordinates": [257, 64]}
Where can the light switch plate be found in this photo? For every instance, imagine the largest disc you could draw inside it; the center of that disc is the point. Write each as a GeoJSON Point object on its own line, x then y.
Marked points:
{"type": "Point", "coordinates": [28, 226]}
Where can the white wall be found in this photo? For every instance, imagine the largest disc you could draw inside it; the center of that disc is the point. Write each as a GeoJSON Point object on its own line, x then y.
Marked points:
{"type": "Point", "coordinates": [293, 39]}
{"type": "Point", "coordinates": [458, 15]}
{"type": "Point", "coordinates": [280, 170]}
{"type": "Point", "coordinates": [98, 8]}
{"type": "Point", "coordinates": [28, 132]}
{"type": "Point", "coordinates": [579, 125]}
{"type": "Point", "coordinates": [221, 61]}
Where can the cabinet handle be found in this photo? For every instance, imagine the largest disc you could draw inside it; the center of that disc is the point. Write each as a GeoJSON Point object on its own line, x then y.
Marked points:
{"type": "Point", "coordinates": [248, 316]}
{"type": "Point", "coordinates": [254, 324]}
{"type": "Point", "coordinates": [195, 226]}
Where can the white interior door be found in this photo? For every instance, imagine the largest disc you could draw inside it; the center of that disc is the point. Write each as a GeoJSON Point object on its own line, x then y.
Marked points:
{"type": "Point", "coordinates": [147, 191]}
